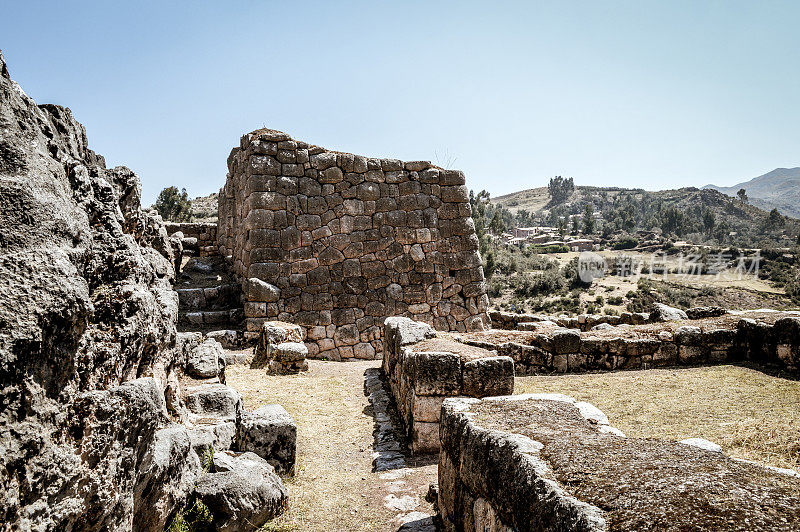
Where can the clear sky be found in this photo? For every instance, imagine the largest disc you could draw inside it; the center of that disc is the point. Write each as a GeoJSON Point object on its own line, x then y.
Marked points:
{"type": "Point", "coordinates": [635, 93]}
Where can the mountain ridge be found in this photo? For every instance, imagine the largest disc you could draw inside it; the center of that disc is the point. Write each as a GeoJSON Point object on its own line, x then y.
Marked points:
{"type": "Point", "coordinates": [777, 189]}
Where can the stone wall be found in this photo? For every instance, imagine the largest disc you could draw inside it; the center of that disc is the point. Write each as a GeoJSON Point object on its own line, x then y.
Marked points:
{"type": "Point", "coordinates": [700, 342]}
{"type": "Point", "coordinates": [345, 241]}
{"type": "Point", "coordinates": [423, 369]}
{"type": "Point", "coordinates": [547, 462]}
{"type": "Point", "coordinates": [198, 237]}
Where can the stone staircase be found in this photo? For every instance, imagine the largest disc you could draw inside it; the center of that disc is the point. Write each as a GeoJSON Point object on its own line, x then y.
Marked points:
{"type": "Point", "coordinates": [209, 297]}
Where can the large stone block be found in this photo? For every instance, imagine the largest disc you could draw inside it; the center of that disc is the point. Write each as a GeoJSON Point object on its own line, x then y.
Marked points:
{"type": "Point", "coordinates": [436, 374]}
{"type": "Point", "coordinates": [214, 402]}
{"type": "Point", "coordinates": [271, 433]}
{"type": "Point", "coordinates": [488, 376]}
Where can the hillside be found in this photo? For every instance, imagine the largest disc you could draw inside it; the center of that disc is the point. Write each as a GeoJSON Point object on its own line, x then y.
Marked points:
{"type": "Point", "coordinates": [204, 208]}
{"type": "Point", "coordinates": [700, 215]}
{"type": "Point", "coordinates": [779, 189]}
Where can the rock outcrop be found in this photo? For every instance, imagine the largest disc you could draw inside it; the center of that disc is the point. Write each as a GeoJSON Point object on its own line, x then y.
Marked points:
{"type": "Point", "coordinates": [87, 334]}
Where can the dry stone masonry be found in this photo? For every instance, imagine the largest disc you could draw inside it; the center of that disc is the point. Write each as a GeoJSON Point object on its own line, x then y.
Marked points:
{"type": "Point", "coordinates": [424, 368]}
{"type": "Point", "coordinates": [770, 339]}
{"type": "Point", "coordinates": [280, 349]}
{"type": "Point", "coordinates": [520, 463]}
{"type": "Point", "coordinates": [339, 242]}
{"type": "Point", "coordinates": [198, 237]}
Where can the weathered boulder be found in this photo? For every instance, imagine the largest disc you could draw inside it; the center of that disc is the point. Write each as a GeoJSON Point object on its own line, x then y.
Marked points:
{"type": "Point", "coordinates": [271, 433]}
{"type": "Point", "coordinates": [400, 331]}
{"type": "Point", "coordinates": [86, 303]}
{"type": "Point", "coordinates": [165, 477]}
{"type": "Point", "coordinates": [228, 338]}
{"type": "Point", "coordinates": [272, 334]}
{"type": "Point", "coordinates": [661, 312]}
{"type": "Point", "coordinates": [243, 493]}
{"type": "Point", "coordinates": [280, 348]}
{"type": "Point", "coordinates": [214, 402]}
{"type": "Point", "coordinates": [203, 361]}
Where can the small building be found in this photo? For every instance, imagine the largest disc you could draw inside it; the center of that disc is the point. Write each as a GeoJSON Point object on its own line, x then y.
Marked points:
{"type": "Point", "coordinates": [581, 244]}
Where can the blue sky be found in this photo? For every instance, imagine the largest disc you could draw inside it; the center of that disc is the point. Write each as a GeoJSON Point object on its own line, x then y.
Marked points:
{"type": "Point", "coordinates": [635, 94]}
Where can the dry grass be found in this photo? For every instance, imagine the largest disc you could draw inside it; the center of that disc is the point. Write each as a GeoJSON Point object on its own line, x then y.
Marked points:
{"type": "Point", "coordinates": [334, 487]}
{"type": "Point", "coordinates": [750, 414]}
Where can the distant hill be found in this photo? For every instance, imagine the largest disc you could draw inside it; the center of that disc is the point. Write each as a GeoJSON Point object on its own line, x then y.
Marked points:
{"type": "Point", "coordinates": [779, 189]}
{"type": "Point", "coordinates": [702, 215]}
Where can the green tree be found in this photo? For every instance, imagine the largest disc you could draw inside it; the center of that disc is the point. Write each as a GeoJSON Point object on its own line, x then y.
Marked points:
{"type": "Point", "coordinates": [173, 205]}
{"type": "Point", "coordinates": [588, 219]}
{"type": "Point", "coordinates": [709, 220]}
{"type": "Point", "coordinates": [742, 195]}
{"type": "Point", "coordinates": [562, 227]}
{"type": "Point", "coordinates": [560, 188]}
{"type": "Point", "coordinates": [775, 219]}
{"type": "Point", "coordinates": [497, 225]}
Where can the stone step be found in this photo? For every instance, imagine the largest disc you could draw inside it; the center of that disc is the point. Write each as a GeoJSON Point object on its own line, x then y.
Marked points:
{"type": "Point", "coordinates": [213, 317]}
{"type": "Point", "coordinates": [209, 298]}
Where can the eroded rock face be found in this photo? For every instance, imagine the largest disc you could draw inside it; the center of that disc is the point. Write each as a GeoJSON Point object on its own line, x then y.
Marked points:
{"type": "Point", "coordinates": [85, 304]}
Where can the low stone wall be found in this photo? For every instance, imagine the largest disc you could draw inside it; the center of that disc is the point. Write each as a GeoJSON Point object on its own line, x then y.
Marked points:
{"type": "Point", "coordinates": [198, 237]}
{"type": "Point", "coordinates": [564, 350]}
{"type": "Point", "coordinates": [584, 322]}
{"type": "Point", "coordinates": [424, 368]}
{"type": "Point", "coordinates": [546, 462]}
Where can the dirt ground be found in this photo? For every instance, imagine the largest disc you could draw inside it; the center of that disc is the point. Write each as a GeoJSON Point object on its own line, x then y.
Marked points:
{"type": "Point", "coordinates": [334, 487]}
{"type": "Point", "coordinates": [751, 415]}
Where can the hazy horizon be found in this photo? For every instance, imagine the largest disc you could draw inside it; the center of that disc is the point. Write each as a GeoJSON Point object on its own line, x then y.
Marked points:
{"type": "Point", "coordinates": [636, 95]}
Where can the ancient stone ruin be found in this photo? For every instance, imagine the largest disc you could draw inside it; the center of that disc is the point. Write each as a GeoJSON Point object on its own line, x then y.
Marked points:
{"type": "Point", "coordinates": [337, 242]}
{"type": "Point", "coordinates": [113, 419]}
{"type": "Point", "coordinates": [547, 462]}
{"type": "Point", "coordinates": [423, 368]}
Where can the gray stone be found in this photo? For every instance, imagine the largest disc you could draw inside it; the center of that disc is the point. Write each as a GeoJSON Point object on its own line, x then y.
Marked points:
{"type": "Point", "coordinates": [243, 494]}
{"type": "Point", "coordinates": [165, 477]}
{"type": "Point", "coordinates": [228, 338]}
{"type": "Point", "coordinates": [219, 436]}
{"type": "Point", "coordinates": [402, 331]}
{"type": "Point", "coordinates": [566, 341]}
{"type": "Point", "coordinates": [214, 402]}
{"type": "Point", "coordinates": [271, 433]}
{"type": "Point", "coordinates": [203, 361]}
{"type": "Point", "coordinates": [259, 290]}
{"type": "Point", "coordinates": [290, 352]}
{"type": "Point", "coordinates": [661, 312]}
{"type": "Point", "coordinates": [488, 376]}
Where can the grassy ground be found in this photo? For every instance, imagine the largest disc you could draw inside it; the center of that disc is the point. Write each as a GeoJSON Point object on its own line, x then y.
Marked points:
{"type": "Point", "coordinates": [751, 415]}
{"type": "Point", "coordinates": [334, 487]}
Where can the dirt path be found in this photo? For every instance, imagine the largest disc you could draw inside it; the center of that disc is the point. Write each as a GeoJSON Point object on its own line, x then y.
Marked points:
{"type": "Point", "coordinates": [335, 486]}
